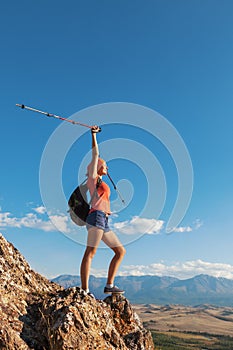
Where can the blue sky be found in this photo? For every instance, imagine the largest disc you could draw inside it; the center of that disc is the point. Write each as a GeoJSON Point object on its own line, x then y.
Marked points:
{"type": "Point", "coordinates": [172, 57]}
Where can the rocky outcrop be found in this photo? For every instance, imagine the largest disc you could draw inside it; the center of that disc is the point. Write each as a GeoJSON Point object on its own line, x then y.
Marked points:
{"type": "Point", "coordinates": [20, 289]}
{"type": "Point", "coordinates": [40, 315]}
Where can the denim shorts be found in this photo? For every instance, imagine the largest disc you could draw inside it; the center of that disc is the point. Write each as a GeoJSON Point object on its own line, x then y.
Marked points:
{"type": "Point", "coordinates": [98, 219]}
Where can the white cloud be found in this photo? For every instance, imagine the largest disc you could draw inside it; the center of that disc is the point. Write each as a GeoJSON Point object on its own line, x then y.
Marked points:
{"type": "Point", "coordinates": [182, 229]}
{"type": "Point", "coordinates": [196, 225]}
{"type": "Point", "coordinates": [139, 225]}
{"type": "Point", "coordinates": [40, 210]}
{"type": "Point", "coordinates": [181, 270]}
{"type": "Point", "coordinates": [31, 220]}
{"type": "Point", "coordinates": [61, 222]}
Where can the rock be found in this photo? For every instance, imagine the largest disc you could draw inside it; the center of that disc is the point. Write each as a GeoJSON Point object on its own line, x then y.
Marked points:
{"type": "Point", "coordinates": [36, 314]}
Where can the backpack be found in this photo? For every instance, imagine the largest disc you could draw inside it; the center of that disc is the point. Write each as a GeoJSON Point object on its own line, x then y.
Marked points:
{"type": "Point", "coordinates": [78, 203]}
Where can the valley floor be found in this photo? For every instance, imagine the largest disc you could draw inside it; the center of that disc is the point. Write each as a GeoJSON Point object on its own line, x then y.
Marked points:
{"type": "Point", "coordinates": [178, 327]}
{"type": "Point", "coordinates": [191, 341]}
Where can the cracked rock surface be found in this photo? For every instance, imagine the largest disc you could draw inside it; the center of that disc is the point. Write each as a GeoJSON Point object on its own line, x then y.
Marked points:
{"type": "Point", "coordinates": [36, 314]}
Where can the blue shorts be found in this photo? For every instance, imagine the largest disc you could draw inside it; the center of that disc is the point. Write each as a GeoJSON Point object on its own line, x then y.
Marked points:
{"type": "Point", "coordinates": [98, 219]}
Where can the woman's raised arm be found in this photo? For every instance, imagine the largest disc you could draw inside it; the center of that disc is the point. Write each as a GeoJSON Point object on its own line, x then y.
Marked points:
{"type": "Point", "coordinates": [92, 168]}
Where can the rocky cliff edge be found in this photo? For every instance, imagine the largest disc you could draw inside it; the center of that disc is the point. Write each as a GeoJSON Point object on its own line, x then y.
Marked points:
{"type": "Point", "coordinates": [36, 314]}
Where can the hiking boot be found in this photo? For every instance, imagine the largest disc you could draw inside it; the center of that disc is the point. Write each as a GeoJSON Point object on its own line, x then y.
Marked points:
{"type": "Point", "coordinates": [114, 289]}
{"type": "Point", "coordinates": [87, 293]}
{"type": "Point", "coordinates": [91, 295]}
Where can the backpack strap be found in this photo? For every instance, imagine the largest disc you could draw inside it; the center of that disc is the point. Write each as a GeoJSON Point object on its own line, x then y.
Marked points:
{"type": "Point", "coordinates": [85, 180]}
{"type": "Point", "coordinates": [95, 193]}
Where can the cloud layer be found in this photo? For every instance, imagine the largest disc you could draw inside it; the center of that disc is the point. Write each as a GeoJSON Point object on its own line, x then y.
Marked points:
{"type": "Point", "coordinates": [139, 225]}
{"type": "Point", "coordinates": [181, 270]}
{"type": "Point", "coordinates": [32, 220]}
{"type": "Point", "coordinates": [61, 222]}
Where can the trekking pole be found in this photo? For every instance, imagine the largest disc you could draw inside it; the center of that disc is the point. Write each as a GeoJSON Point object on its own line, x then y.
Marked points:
{"type": "Point", "coordinates": [115, 188]}
{"type": "Point", "coordinates": [54, 116]}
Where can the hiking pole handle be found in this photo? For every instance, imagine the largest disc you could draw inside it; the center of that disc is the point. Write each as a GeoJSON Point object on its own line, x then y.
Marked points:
{"type": "Point", "coordinates": [95, 129]}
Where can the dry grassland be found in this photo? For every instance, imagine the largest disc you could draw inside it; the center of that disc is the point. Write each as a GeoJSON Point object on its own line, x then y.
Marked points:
{"type": "Point", "coordinates": [177, 318]}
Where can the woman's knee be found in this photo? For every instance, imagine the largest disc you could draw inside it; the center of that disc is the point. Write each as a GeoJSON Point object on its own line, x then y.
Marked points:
{"type": "Point", "coordinates": [120, 251]}
{"type": "Point", "coordinates": [90, 252]}
{"type": "Point", "coordinates": [123, 251]}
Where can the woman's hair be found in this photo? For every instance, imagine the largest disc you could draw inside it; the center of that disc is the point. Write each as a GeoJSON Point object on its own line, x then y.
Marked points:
{"type": "Point", "coordinates": [99, 165]}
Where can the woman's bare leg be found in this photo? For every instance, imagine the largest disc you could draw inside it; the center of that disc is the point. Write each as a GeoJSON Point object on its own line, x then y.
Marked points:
{"type": "Point", "coordinates": [113, 242]}
{"type": "Point", "coordinates": [94, 237]}
{"type": "Point", "coordinates": [86, 266]}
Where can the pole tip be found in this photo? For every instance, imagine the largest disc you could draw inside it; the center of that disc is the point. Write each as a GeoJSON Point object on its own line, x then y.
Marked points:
{"type": "Point", "coordinates": [18, 105]}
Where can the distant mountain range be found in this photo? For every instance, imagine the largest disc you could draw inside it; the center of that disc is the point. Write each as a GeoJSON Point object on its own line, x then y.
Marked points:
{"type": "Point", "coordinates": [201, 289]}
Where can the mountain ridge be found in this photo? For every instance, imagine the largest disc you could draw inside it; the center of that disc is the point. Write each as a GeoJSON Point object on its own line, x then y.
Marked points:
{"type": "Point", "coordinates": [200, 289]}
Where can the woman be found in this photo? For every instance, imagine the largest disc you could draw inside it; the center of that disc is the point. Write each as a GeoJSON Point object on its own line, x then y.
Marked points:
{"type": "Point", "coordinates": [97, 221]}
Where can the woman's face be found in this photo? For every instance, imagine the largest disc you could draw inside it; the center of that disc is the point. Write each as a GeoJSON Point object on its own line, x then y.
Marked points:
{"type": "Point", "coordinates": [103, 170]}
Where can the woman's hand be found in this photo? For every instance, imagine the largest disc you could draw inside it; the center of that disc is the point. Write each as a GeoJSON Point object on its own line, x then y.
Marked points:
{"type": "Point", "coordinates": [95, 129]}
{"type": "Point", "coordinates": [92, 171]}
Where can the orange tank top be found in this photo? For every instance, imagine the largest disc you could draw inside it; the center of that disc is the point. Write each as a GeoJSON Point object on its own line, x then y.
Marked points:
{"type": "Point", "coordinates": [101, 200]}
